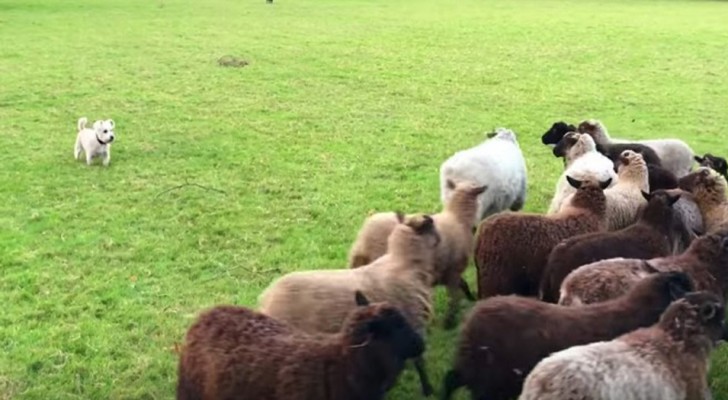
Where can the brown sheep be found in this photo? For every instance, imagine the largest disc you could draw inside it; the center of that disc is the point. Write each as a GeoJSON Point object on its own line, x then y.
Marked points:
{"type": "Point", "coordinates": [504, 337]}
{"type": "Point", "coordinates": [706, 261]}
{"type": "Point", "coordinates": [709, 189]}
{"type": "Point", "coordinates": [667, 361]}
{"type": "Point", "coordinates": [511, 248]}
{"type": "Point", "coordinates": [453, 224]}
{"type": "Point", "coordinates": [652, 236]}
{"type": "Point", "coordinates": [236, 353]}
{"type": "Point", "coordinates": [319, 300]}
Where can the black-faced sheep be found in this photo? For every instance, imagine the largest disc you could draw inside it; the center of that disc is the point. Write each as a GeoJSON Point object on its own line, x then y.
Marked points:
{"type": "Point", "coordinates": [504, 337]}
{"type": "Point", "coordinates": [497, 163]}
{"type": "Point", "coordinates": [236, 353]}
{"type": "Point", "coordinates": [706, 261]}
{"type": "Point", "coordinates": [652, 236]}
{"type": "Point", "coordinates": [674, 154]}
{"type": "Point", "coordinates": [557, 132]}
{"type": "Point", "coordinates": [709, 190]}
{"type": "Point", "coordinates": [320, 300]}
{"type": "Point", "coordinates": [512, 248]}
{"type": "Point", "coordinates": [668, 361]}
{"type": "Point", "coordinates": [453, 224]}
{"type": "Point", "coordinates": [719, 164]}
{"type": "Point", "coordinates": [582, 162]}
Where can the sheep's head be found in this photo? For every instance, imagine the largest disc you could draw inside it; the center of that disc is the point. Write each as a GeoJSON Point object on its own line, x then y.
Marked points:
{"type": "Point", "coordinates": [711, 248]}
{"type": "Point", "coordinates": [595, 129]}
{"type": "Point", "coordinates": [697, 318]}
{"type": "Point", "coordinates": [706, 184]}
{"type": "Point", "coordinates": [557, 132]}
{"type": "Point", "coordinates": [719, 164]}
{"type": "Point", "coordinates": [659, 206]}
{"type": "Point", "coordinates": [569, 140]}
{"type": "Point", "coordinates": [381, 325]}
{"type": "Point", "coordinates": [589, 195]}
{"type": "Point", "coordinates": [503, 134]}
{"type": "Point", "coordinates": [417, 234]}
{"type": "Point", "coordinates": [632, 165]}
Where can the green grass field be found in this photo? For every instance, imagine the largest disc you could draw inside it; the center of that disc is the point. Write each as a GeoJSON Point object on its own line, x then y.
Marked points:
{"type": "Point", "coordinates": [347, 106]}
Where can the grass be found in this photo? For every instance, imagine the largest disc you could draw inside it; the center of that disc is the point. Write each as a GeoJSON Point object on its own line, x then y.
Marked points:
{"type": "Point", "coordinates": [346, 106]}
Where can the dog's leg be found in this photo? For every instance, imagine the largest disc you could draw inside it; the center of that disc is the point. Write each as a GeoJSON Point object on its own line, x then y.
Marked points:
{"type": "Point", "coordinates": [89, 157]}
{"type": "Point", "coordinates": [107, 156]}
{"type": "Point", "coordinates": [77, 149]}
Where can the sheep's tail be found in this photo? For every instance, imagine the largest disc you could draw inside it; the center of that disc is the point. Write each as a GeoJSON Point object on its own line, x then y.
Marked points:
{"type": "Point", "coordinates": [451, 383]}
{"type": "Point", "coordinates": [82, 123]}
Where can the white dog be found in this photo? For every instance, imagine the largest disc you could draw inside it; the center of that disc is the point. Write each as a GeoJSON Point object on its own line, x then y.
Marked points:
{"type": "Point", "coordinates": [94, 142]}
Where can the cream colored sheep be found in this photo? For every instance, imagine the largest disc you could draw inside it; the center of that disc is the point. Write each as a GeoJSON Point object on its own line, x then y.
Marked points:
{"type": "Point", "coordinates": [320, 300]}
{"type": "Point", "coordinates": [453, 224]}
{"type": "Point", "coordinates": [582, 162]}
{"type": "Point", "coordinates": [709, 190]}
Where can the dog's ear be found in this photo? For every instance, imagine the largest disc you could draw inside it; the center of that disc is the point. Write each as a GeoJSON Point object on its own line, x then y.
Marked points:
{"type": "Point", "coordinates": [111, 123]}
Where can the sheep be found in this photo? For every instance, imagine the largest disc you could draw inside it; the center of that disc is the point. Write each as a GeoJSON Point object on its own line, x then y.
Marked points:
{"type": "Point", "coordinates": [454, 225]}
{"type": "Point", "coordinates": [709, 190]}
{"type": "Point", "coordinates": [706, 261]}
{"type": "Point", "coordinates": [317, 301]}
{"type": "Point", "coordinates": [511, 248]}
{"type": "Point", "coordinates": [233, 352]}
{"type": "Point", "coordinates": [614, 150]}
{"type": "Point", "coordinates": [667, 361]}
{"type": "Point", "coordinates": [582, 162]}
{"type": "Point", "coordinates": [504, 337]}
{"type": "Point", "coordinates": [658, 176]}
{"type": "Point", "coordinates": [675, 155]}
{"type": "Point", "coordinates": [651, 236]}
{"type": "Point", "coordinates": [371, 241]}
{"type": "Point", "coordinates": [557, 132]}
{"type": "Point", "coordinates": [625, 197]}
{"type": "Point", "coordinates": [498, 163]}
{"type": "Point", "coordinates": [687, 218]}
{"type": "Point", "coordinates": [719, 164]}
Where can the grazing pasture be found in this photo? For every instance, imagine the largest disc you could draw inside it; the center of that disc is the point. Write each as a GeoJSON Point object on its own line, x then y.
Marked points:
{"type": "Point", "coordinates": [230, 171]}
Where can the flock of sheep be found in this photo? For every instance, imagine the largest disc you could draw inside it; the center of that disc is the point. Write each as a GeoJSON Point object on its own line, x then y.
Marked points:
{"type": "Point", "coordinates": [617, 292]}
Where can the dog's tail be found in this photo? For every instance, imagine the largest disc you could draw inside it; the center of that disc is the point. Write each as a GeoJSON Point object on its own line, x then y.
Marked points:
{"type": "Point", "coordinates": [82, 123]}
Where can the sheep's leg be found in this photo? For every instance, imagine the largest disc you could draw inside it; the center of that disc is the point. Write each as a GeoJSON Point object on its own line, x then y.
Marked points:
{"type": "Point", "coordinates": [454, 291]}
{"type": "Point", "coordinates": [451, 383]}
{"type": "Point", "coordinates": [425, 384]}
{"type": "Point", "coordinates": [466, 289]}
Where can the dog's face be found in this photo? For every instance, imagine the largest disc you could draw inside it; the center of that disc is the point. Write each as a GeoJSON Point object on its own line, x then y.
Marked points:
{"type": "Point", "coordinates": [105, 130]}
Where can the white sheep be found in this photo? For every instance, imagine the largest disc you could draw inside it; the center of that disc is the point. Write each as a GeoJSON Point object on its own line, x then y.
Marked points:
{"type": "Point", "coordinates": [583, 162]}
{"type": "Point", "coordinates": [668, 361]}
{"type": "Point", "coordinates": [497, 163]}
{"type": "Point", "coordinates": [676, 156]}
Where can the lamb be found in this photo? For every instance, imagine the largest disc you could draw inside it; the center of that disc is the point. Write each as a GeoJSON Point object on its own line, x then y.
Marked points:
{"type": "Point", "coordinates": [497, 163]}
{"type": "Point", "coordinates": [706, 261]}
{"type": "Point", "coordinates": [650, 237]}
{"type": "Point", "coordinates": [453, 223]}
{"type": "Point", "coordinates": [667, 361]}
{"type": "Point", "coordinates": [719, 164]}
{"type": "Point", "coordinates": [557, 132]}
{"type": "Point", "coordinates": [512, 248]}
{"type": "Point", "coordinates": [582, 162]}
{"type": "Point", "coordinates": [504, 337]}
{"type": "Point", "coordinates": [318, 301]}
{"type": "Point", "coordinates": [675, 155]}
{"type": "Point", "coordinates": [233, 352]}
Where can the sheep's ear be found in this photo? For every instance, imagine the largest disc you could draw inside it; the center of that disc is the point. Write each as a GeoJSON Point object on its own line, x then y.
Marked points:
{"type": "Point", "coordinates": [450, 184]}
{"type": "Point", "coordinates": [646, 195]}
{"type": "Point", "coordinates": [708, 311]}
{"type": "Point", "coordinates": [400, 216]}
{"type": "Point", "coordinates": [480, 189]}
{"type": "Point", "coordinates": [698, 159]}
{"type": "Point", "coordinates": [649, 267]}
{"type": "Point", "coordinates": [360, 299]}
{"type": "Point", "coordinates": [605, 184]}
{"type": "Point", "coordinates": [575, 183]}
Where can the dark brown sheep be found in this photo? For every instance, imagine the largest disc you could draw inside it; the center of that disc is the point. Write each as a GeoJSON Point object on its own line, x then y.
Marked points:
{"type": "Point", "coordinates": [706, 261]}
{"type": "Point", "coordinates": [512, 248]}
{"type": "Point", "coordinates": [613, 151]}
{"type": "Point", "coordinates": [652, 236]}
{"type": "Point", "coordinates": [237, 353]}
{"type": "Point", "coordinates": [504, 337]}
